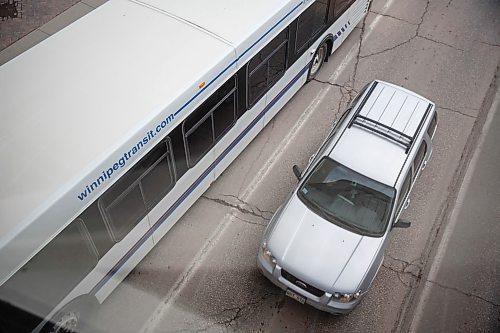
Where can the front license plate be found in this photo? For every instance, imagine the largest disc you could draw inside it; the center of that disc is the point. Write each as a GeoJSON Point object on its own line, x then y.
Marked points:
{"type": "Point", "coordinates": [295, 296]}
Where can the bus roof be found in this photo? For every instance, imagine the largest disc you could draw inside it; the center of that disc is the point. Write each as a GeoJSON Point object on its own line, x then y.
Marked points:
{"type": "Point", "coordinates": [74, 103]}
{"type": "Point", "coordinates": [236, 20]}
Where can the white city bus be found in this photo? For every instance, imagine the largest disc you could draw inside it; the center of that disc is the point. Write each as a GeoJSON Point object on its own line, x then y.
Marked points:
{"type": "Point", "coordinates": [111, 128]}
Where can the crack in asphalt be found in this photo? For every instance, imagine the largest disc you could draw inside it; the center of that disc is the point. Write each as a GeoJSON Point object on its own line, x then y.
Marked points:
{"type": "Point", "coordinates": [329, 83]}
{"type": "Point", "coordinates": [407, 41]}
{"type": "Point", "coordinates": [416, 35]}
{"type": "Point", "coordinates": [459, 112]}
{"type": "Point", "coordinates": [358, 55]}
{"type": "Point", "coordinates": [347, 92]}
{"type": "Point", "coordinates": [229, 321]}
{"type": "Point", "coordinates": [234, 312]}
{"type": "Point", "coordinates": [250, 222]}
{"type": "Point", "coordinates": [261, 211]}
{"type": "Point", "coordinates": [254, 211]}
{"type": "Point", "coordinates": [442, 43]}
{"type": "Point", "coordinates": [398, 274]}
{"type": "Point", "coordinates": [405, 263]}
{"type": "Point", "coordinates": [237, 310]}
{"type": "Point", "coordinates": [464, 293]}
{"type": "Point", "coordinates": [405, 270]}
{"type": "Point", "coordinates": [488, 43]}
{"type": "Point", "coordinates": [393, 17]}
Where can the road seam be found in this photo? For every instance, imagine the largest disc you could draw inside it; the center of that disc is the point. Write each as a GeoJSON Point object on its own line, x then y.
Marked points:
{"type": "Point", "coordinates": [440, 285]}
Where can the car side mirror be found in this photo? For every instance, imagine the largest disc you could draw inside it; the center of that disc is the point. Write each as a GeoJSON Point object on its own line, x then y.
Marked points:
{"type": "Point", "coordinates": [297, 172]}
{"type": "Point", "coordinates": [402, 224]}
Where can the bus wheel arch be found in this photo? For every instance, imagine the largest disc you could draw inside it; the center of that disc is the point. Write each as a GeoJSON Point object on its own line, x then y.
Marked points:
{"type": "Point", "coordinates": [73, 316]}
{"type": "Point", "coordinates": [329, 43]}
{"type": "Point", "coordinates": [320, 56]}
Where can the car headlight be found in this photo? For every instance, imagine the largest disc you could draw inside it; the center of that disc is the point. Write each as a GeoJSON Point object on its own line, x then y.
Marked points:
{"type": "Point", "coordinates": [268, 256]}
{"type": "Point", "coordinates": [347, 298]}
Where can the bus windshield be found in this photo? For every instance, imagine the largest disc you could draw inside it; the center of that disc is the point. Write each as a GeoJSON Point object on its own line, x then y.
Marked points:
{"type": "Point", "coordinates": [348, 199]}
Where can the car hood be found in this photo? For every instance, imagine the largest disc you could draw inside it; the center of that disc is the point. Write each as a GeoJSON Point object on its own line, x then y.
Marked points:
{"type": "Point", "coordinates": [319, 252]}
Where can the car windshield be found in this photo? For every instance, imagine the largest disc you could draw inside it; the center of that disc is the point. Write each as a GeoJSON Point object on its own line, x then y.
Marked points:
{"type": "Point", "coordinates": [347, 198]}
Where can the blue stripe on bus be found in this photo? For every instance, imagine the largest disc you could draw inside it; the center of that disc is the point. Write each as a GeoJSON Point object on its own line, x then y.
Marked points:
{"type": "Point", "coordinates": [234, 61]}
{"type": "Point", "coordinates": [183, 197]}
{"type": "Point", "coordinates": [268, 31]}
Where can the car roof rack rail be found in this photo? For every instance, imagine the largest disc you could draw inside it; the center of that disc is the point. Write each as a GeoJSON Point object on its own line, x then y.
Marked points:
{"type": "Point", "coordinates": [384, 130]}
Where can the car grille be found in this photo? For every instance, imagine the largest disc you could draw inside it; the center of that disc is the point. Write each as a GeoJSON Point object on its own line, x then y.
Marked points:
{"type": "Point", "coordinates": [299, 283]}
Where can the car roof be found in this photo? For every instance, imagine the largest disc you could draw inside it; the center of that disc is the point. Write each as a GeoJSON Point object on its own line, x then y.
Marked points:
{"type": "Point", "coordinates": [386, 122]}
{"type": "Point", "coordinates": [395, 107]}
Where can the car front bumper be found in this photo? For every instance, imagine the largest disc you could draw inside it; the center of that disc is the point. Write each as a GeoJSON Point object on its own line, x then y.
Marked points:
{"type": "Point", "coordinates": [323, 303]}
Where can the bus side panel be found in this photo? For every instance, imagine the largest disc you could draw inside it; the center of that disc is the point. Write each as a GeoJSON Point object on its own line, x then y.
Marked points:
{"type": "Point", "coordinates": [243, 132]}
{"type": "Point", "coordinates": [107, 274]}
{"type": "Point", "coordinates": [164, 215]}
{"type": "Point", "coordinates": [285, 88]}
{"type": "Point", "coordinates": [134, 245]}
{"type": "Point", "coordinates": [185, 192]}
{"type": "Point", "coordinates": [355, 13]}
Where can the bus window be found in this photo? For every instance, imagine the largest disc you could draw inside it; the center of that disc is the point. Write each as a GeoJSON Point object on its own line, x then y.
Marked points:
{"type": "Point", "coordinates": [241, 91]}
{"type": "Point", "coordinates": [257, 84]}
{"type": "Point", "coordinates": [224, 108]}
{"type": "Point", "coordinates": [178, 151]}
{"type": "Point", "coordinates": [210, 121]}
{"type": "Point", "coordinates": [160, 178]}
{"type": "Point", "coordinates": [123, 209]}
{"type": "Point", "coordinates": [225, 115]}
{"type": "Point", "coordinates": [277, 64]}
{"type": "Point", "coordinates": [53, 272]}
{"type": "Point", "coordinates": [310, 23]}
{"type": "Point", "coordinates": [127, 201]}
{"type": "Point", "coordinates": [97, 228]}
{"type": "Point", "coordinates": [267, 67]}
{"type": "Point", "coordinates": [199, 140]}
{"type": "Point", "coordinates": [341, 6]}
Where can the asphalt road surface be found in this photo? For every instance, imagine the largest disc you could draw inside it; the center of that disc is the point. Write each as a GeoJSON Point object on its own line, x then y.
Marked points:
{"type": "Point", "coordinates": [202, 276]}
{"type": "Point", "coordinates": [461, 292]}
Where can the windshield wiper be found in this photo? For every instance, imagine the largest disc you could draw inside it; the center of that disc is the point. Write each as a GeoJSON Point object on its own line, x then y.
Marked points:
{"type": "Point", "coordinates": [329, 217]}
{"type": "Point", "coordinates": [358, 229]}
{"type": "Point", "coordinates": [325, 213]}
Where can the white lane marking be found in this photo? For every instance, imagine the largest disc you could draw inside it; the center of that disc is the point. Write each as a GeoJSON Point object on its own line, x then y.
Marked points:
{"type": "Point", "coordinates": [450, 227]}
{"type": "Point", "coordinates": [152, 323]}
